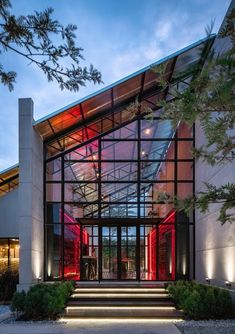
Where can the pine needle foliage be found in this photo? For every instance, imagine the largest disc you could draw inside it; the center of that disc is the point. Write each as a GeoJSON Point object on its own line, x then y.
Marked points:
{"type": "Point", "coordinates": [208, 99]}
{"type": "Point", "coordinates": [47, 44]}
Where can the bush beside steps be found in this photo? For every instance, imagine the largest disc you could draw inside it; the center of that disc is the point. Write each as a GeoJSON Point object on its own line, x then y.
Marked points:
{"type": "Point", "coordinates": [202, 302]}
{"type": "Point", "coordinates": [42, 301]}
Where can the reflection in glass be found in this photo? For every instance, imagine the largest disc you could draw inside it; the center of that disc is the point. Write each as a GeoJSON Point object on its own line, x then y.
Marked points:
{"type": "Point", "coordinates": [90, 252]}
{"type": "Point", "coordinates": [9, 254]}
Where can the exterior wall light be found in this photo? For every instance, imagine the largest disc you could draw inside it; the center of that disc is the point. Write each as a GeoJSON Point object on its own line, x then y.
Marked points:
{"type": "Point", "coordinates": [227, 284]}
{"type": "Point", "coordinates": [208, 280]}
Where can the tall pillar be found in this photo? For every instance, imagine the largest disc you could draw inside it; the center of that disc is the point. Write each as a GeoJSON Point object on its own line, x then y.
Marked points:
{"type": "Point", "coordinates": [30, 198]}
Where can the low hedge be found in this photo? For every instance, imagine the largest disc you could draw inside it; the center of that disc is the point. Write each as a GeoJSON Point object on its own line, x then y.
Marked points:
{"type": "Point", "coordinates": [201, 301]}
{"type": "Point", "coordinates": [8, 282]}
{"type": "Point", "coordinates": [42, 301]}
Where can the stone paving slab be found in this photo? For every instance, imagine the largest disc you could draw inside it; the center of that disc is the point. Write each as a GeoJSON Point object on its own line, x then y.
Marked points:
{"type": "Point", "coordinates": [92, 327]}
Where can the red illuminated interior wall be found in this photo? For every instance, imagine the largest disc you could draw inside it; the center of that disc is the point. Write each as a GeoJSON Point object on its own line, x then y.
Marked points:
{"type": "Point", "coordinates": [165, 251]}
{"type": "Point", "coordinates": [166, 231]}
{"type": "Point", "coordinates": [72, 247]}
{"type": "Point", "coordinates": [152, 246]}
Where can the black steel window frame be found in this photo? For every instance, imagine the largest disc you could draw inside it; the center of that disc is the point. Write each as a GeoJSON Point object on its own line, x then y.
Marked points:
{"type": "Point", "coordinates": [99, 181]}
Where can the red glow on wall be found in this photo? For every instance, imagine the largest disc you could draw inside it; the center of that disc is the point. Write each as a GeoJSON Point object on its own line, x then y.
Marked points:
{"type": "Point", "coordinates": [72, 247]}
{"type": "Point", "coordinates": [165, 252]}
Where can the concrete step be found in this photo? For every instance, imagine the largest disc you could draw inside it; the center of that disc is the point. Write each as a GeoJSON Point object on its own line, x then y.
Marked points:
{"type": "Point", "coordinates": [119, 296]}
{"type": "Point", "coordinates": [121, 302]}
{"type": "Point", "coordinates": [122, 312]}
{"type": "Point", "coordinates": [120, 290]}
{"type": "Point", "coordinates": [125, 302]}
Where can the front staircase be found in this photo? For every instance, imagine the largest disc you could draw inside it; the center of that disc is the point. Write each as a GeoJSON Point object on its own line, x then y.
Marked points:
{"type": "Point", "coordinates": [121, 301]}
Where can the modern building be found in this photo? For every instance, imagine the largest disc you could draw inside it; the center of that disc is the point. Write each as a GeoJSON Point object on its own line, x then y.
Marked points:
{"type": "Point", "coordinates": [91, 197]}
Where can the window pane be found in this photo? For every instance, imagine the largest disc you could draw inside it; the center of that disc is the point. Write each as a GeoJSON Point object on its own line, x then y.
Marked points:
{"type": "Point", "coordinates": [119, 210]}
{"type": "Point", "coordinates": [53, 213]}
{"type": "Point", "coordinates": [124, 171]}
{"type": "Point", "coordinates": [119, 192]}
{"type": "Point", "coordinates": [156, 129]}
{"type": "Point", "coordinates": [122, 150]}
{"type": "Point", "coordinates": [185, 149]}
{"type": "Point", "coordinates": [185, 171]}
{"type": "Point", "coordinates": [128, 131]}
{"type": "Point", "coordinates": [166, 252]}
{"type": "Point", "coordinates": [53, 170]}
{"type": "Point", "coordinates": [156, 150]}
{"type": "Point", "coordinates": [157, 170]}
{"type": "Point", "coordinates": [53, 253]}
{"type": "Point", "coordinates": [3, 254]}
{"type": "Point", "coordinates": [53, 192]}
{"type": "Point", "coordinates": [86, 152]}
{"type": "Point", "coordinates": [80, 192]}
{"type": "Point", "coordinates": [72, 242]}
{"type": "Point", "coordinates": [78, 171]}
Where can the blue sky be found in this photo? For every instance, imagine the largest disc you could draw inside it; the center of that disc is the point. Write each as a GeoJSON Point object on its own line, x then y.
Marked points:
{"type": "Point", "coordinates": [118, 37]}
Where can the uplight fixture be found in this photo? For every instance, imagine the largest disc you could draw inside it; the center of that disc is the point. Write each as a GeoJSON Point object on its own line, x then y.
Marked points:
{"type": "Point", "coordinates": [227, 284]}
{"type": "Point", "coordinates": [208, 281]}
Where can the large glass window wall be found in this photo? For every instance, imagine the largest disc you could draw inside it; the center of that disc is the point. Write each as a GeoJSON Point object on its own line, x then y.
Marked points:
{"type": "Point", "coordinates": [131, 173]}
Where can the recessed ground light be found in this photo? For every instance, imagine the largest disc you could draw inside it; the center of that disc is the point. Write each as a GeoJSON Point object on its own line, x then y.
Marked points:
{"type": "Point", "coordinates": [208, 280]}
{"type": "Point", "coordinates": [227, 284]}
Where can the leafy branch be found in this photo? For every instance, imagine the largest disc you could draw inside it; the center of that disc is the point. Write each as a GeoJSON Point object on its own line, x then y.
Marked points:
{"type": "Point", "coordinates": [35, 38]}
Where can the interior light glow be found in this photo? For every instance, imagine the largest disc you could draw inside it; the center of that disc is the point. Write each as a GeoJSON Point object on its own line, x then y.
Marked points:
{"type": "Point", "coordinates": [120, 290]}
{"type": "Point", "coordinates": [147, 131]}
{"type": "Point", "coordinates": [143, 152]}
{"type": "Point", "coordinates": [119, 308]}
{"type": "Point", "coordinates": [119, 320]}
{"type": "Point", "coordinates": [120, 295]}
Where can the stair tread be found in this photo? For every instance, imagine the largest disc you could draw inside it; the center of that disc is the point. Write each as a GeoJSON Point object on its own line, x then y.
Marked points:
{"type": "Point", "coordinates": [124, 313]}
{"type": "Point", "coordinates": [119, 303]}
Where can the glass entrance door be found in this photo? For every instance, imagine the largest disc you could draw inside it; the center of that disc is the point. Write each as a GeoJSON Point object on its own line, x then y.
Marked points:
{"type": "Point", "coordinates": [118, 252]}
{"type": "Point", "coordinates": [128, 252]}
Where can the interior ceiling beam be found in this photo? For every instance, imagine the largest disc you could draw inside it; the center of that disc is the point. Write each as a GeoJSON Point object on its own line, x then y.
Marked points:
{"type": "Point", "coordinates": [9, 180]}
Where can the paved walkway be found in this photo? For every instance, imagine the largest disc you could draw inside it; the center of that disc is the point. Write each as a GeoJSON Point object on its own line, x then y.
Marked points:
{"type": "Point", "coordinates": [92, 327]}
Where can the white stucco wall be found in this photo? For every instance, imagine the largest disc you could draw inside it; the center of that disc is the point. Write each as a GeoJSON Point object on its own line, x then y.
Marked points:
{"type": "Point", "coordinates": [215, 244]}
{"type": "Point", "coordinates": [31, 229]}
{"type": "Point", "coordinates": [9, 215]}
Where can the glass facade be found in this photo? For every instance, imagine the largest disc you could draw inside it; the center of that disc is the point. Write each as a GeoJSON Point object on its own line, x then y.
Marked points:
{"type": "Point", "coordinates": [9, 254]}
{"type": "Point", "coordinates": [109, 211]}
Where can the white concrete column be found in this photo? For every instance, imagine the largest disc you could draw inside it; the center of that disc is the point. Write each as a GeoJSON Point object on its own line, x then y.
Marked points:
{"type": "Point", "coordinates": [30, 198]}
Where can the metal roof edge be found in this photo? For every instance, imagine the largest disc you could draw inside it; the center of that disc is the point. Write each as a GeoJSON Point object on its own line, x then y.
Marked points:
{"type": "Point", "coordinates": [172, 55]}
{"type": "Point", "coordinates": [9, 168]}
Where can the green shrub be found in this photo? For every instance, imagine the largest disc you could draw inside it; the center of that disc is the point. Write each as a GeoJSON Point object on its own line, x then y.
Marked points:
{"type": "Point", "coordinates": [43, 301]}
{"type": "Point", "coordinates": [224, 304]}
{"type": "Point", "coordinates": [18, 303]}
{"type": "Point", "coordinates": [193, 305]}
{"type": "Point", "coordinates": [200, 301]}
{"type": "Point", "coordinates": [8, 282]}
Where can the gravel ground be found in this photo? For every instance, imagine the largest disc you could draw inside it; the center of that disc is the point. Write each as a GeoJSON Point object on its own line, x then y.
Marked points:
{"type": "Point", "coordinates": [4, 309]}
{"type": "Point", "coordinates": [207, 327]}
